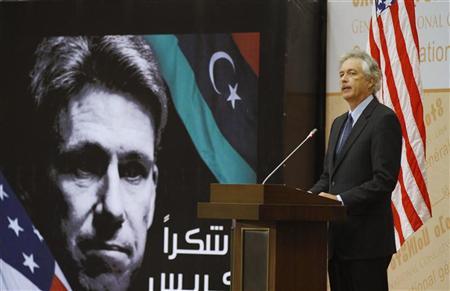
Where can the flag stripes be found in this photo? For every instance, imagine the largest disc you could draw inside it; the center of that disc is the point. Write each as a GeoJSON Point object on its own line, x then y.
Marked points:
{"type": "Point", "coordinates": [408, 74]}
{"type": "Point", "coordinates": [403, 108]}
{"type": "Point", "coordinates": [398, 230]}
{"type": "Point", "coordinates": [226, 164]}
{"type": "Point", "coordinates": [59, 281]}
{"type": "Point", "coordinates": [413, 217]}
{"type": "Point", "coordinates": [214, 79]}
{"type": "Point", "coordinates": [393, 43]}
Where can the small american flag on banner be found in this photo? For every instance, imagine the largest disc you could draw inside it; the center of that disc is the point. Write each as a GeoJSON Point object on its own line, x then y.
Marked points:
{"type": "Point", "coordinates": [25, 260]}
{"type": "Point", "coordinates": [394, 44]}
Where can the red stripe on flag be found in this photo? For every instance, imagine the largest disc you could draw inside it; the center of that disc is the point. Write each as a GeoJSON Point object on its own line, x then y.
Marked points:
{"type": "Point", "coordinates": [409, 4]}
{"type": "Point", "coordinates": [411, 214]}
{"type": "Point", "coordinates": [397, 224]}
{"type": "Point", "coordinates": [408, 74]}
{"type": "Point", "coordinates": [412, 161]}
{"type": "Point", "coordinates": [248, 44]}
{"type": "Point", "coordinates": [374, 50]}
{"type": "Point", "coordinates": [57, 285]}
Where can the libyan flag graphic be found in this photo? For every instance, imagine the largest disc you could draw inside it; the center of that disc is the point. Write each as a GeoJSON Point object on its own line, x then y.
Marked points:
{"type": "Point", "coordinates": [214, 90]}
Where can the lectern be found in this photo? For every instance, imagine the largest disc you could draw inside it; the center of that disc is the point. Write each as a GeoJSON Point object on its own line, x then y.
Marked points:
{"type": "Point", "coordinates": [279, 238]}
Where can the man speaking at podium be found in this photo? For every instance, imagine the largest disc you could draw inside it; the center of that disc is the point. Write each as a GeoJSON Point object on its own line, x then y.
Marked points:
{"type": "Point", "coordinates": [361, 167]}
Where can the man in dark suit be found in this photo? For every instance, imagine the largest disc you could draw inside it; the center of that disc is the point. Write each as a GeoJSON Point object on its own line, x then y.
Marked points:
{"type": "Point", "coordinates": [360, 170]}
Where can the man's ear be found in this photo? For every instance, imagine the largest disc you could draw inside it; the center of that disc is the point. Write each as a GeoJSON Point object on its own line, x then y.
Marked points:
{"type": "Point", "coordinates": [151, 210]}
{"type": "Point", "coordinates": [155, 174]}
{"type": "Point", "coordinates": [371, 83]}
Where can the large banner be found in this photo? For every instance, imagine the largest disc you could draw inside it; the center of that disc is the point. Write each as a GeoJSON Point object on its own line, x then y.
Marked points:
{"type": "Point", "coordinates": [112, 141]}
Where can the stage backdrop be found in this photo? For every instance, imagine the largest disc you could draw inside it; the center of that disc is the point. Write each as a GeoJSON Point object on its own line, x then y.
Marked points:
{"type": "Point", "coordinates": [210, 137]}
{"type": "Point", "coordinates": [423, 261]}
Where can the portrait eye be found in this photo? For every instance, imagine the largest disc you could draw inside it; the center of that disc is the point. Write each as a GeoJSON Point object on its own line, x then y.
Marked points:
{"type": "Point", "coordinates": [84, 163]}
{"type": "Point", "coordinates": [133, 172]}
{"type": "Point", "coordinates": [82, 174]}
{"type": "Point", "coordinates": [86, 168]}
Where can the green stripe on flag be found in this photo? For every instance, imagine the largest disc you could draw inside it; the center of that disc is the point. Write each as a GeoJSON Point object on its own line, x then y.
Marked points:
{"type": "Point", "coordinates": [221, 158]}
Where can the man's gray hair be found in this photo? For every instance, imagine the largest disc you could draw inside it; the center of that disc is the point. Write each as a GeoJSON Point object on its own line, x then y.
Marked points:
{"type": "Point", "coordinates": [369, 66]}
{"type": "Point", "coordinates": [125, 63]}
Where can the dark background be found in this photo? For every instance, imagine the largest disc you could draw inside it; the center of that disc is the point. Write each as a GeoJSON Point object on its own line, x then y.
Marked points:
{"type": "Point", "coordinates": [292, 77]}
{"type": "Point", "coordinates": [291, 91]}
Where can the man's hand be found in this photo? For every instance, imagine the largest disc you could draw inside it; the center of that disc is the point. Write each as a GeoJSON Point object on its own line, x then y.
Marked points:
{"type": "Point", "coordinates": [328, 195]}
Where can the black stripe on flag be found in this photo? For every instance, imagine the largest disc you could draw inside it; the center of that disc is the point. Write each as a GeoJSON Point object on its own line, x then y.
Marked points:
{"type": "Point", "coordinates": [229, 87]}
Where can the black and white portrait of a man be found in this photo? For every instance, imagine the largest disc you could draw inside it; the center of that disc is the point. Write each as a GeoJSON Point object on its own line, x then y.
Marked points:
{"type": "Point", "coordinates": [99, 108]}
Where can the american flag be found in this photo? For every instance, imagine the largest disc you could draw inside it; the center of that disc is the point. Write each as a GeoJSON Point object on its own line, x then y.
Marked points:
{"type": "Point", "coordinates": [25, 260]}
{"type": "Point", "coordinates": [394, 44]}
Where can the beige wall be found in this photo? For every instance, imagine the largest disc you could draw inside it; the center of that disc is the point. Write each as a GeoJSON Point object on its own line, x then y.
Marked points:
{"type": "Point", "coordinates": [423, 262]}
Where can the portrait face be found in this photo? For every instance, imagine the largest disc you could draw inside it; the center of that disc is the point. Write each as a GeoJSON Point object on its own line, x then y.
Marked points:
{"type": "Point", "coordinates": [105, 176]}
{"type": "Point", "coordinates": [355, 86]}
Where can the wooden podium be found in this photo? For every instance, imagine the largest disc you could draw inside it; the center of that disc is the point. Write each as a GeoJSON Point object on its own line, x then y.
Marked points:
{"type": "Point", "coordinates": [279, 235]}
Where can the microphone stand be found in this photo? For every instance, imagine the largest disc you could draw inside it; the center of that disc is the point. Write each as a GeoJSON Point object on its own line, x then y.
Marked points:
{"type": "Point", "coordinates": [310, 135]}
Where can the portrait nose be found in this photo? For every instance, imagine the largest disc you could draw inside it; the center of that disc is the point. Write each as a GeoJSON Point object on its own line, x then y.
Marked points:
{"type": "Point", "coordinates": [112, 205]}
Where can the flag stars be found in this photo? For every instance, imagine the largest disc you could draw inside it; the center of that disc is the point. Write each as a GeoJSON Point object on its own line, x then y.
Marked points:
{"type": "Point", "coordinates": [29, 262]}
{"type": "Point", "coordinates": [3, 194]}
{"type": "Point", "coordinates": [14, 225]}
{"type": "Point", "coordinates": [233, 95]}
{"type": "Point", "coordinates": [383, 5]}
{"type": "Point", "coordinates": [38, 234]}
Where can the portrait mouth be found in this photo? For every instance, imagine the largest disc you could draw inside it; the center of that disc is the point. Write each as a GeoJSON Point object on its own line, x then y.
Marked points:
{"type": "Point", "coordinates": [116, 255]}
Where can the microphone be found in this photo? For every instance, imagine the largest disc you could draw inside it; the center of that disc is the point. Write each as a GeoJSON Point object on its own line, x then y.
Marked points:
{"type": "Point", "coordinates": [310, 135]}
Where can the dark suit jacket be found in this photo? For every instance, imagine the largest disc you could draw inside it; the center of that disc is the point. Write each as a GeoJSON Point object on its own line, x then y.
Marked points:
{"type": "Point", "coordinates": [364, 175]}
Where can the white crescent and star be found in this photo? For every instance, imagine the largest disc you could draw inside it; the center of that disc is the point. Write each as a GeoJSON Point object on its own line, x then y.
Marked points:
{"type": "Point", "coordinates": [233, 94]}
{"type": "Point", "coordinates": [233, 97]}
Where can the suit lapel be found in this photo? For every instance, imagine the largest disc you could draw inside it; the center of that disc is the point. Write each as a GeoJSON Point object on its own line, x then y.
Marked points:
{"type": "Point", "coordinates": [356, 131]}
